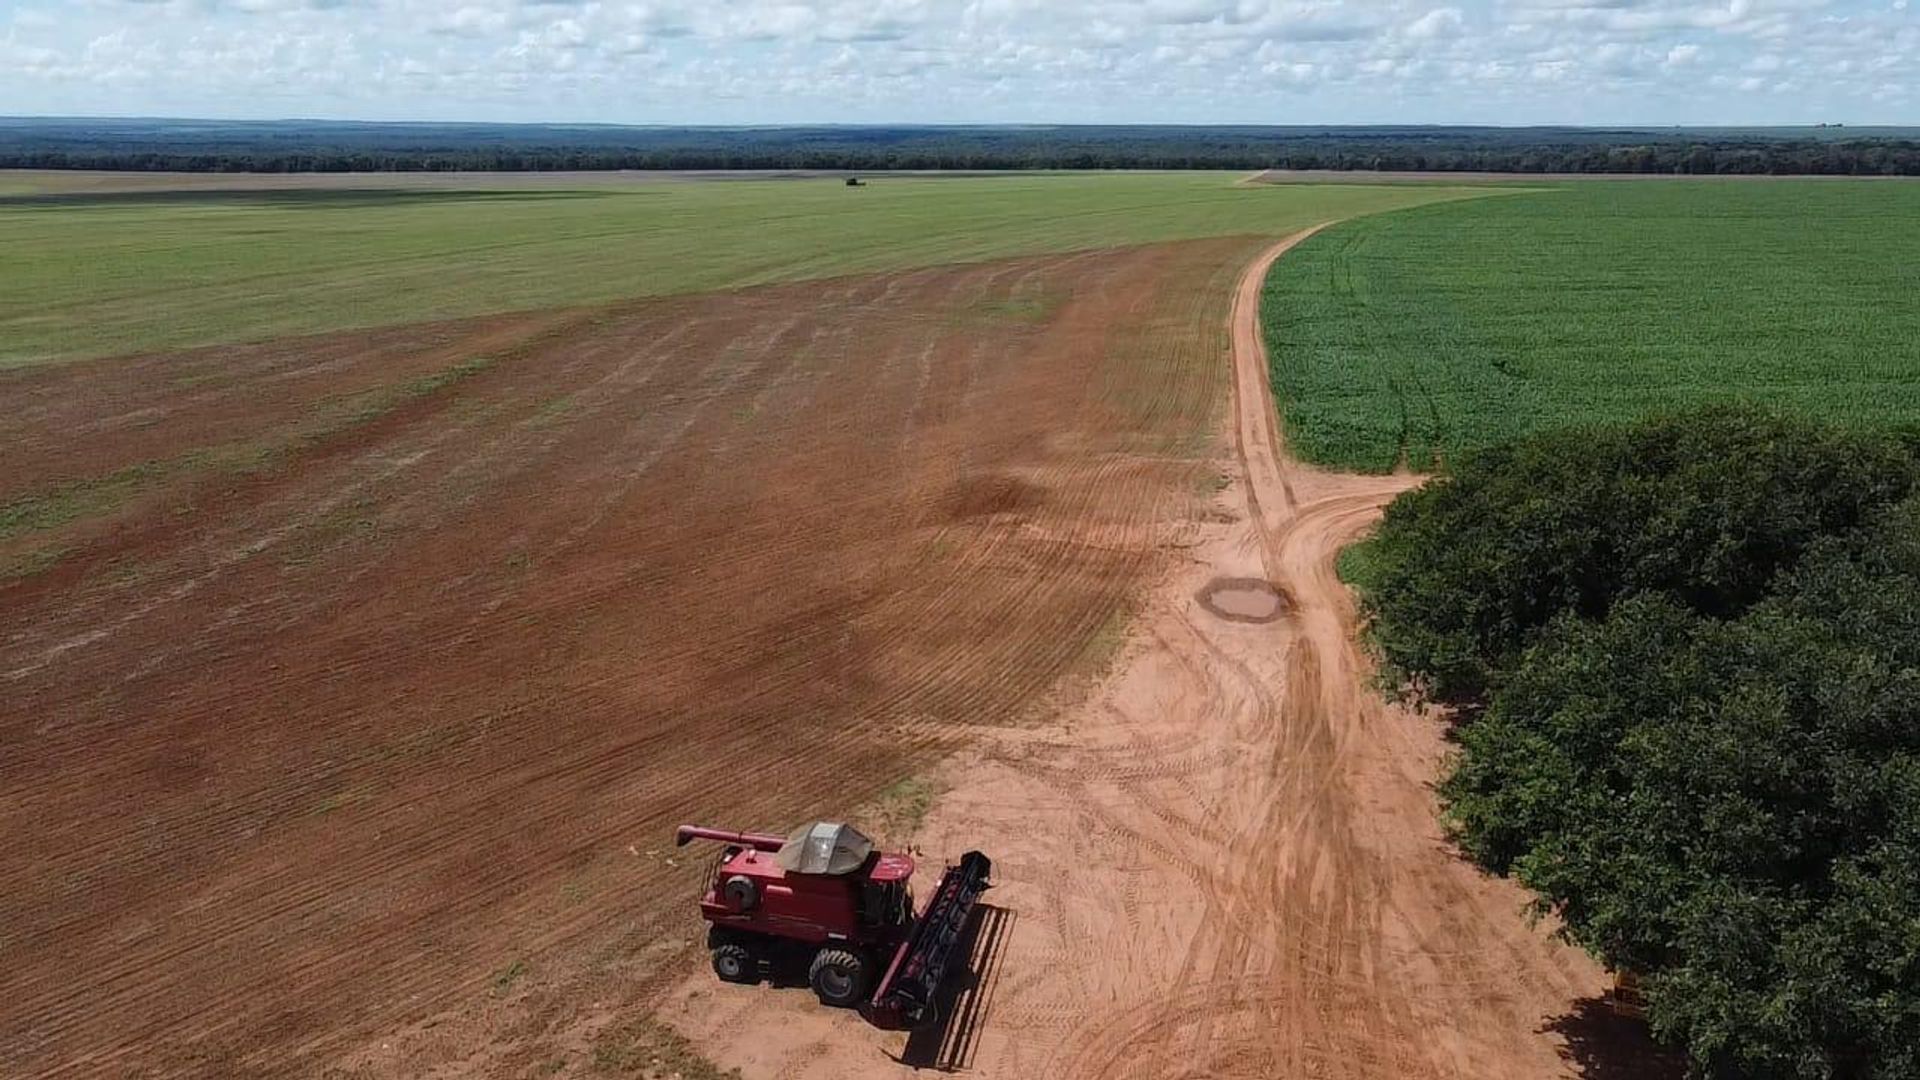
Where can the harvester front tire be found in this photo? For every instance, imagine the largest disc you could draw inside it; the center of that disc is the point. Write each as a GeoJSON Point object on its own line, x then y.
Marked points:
{"type": "Point", "coordinates": [839, 977]}
{"type": "Point", "coordinates": [735, 963]}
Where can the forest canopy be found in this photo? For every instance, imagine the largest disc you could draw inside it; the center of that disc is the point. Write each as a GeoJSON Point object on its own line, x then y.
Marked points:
{"type": "Point", "coordinates": [330, 146]}
{"type": "Point", "coordinates": [1688, 658]}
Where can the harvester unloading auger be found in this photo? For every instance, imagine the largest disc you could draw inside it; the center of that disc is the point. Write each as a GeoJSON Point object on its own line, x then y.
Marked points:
{"type": "Point", "coordinates": [827, 895]}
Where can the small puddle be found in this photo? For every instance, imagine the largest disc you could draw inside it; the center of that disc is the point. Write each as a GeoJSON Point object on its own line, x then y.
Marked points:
{"type": "Point", "coordinates": [1243, 600]}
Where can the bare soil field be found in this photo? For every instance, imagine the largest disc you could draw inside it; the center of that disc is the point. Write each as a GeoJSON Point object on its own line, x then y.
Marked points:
{"type": "Point", "coordinates": [350, 686]}
{"type": "Point", "coordinates": [1225, 861]}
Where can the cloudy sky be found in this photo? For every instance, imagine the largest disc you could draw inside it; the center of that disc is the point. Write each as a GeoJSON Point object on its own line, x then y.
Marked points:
{"type": "Point", "coordinates": [949, 61]}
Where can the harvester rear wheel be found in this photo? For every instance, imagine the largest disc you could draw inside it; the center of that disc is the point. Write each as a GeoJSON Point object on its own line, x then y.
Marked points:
{"type": "Point", "coordinates": [735, 963]}
{"type": "Point", "coordinates": [839, 977]}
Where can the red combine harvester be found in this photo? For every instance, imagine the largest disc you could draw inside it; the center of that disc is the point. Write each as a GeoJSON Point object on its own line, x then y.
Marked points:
{"type": "Point", "coordinates": [827, 896]}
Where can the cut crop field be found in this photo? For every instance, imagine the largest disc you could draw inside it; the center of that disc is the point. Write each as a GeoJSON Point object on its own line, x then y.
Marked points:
{"type": "Point", "coordinates": [1412, 336]}
{"type": "Point", "coordinates": [99, 272]}
{"type": "Point", "coordinates": [360, 679]}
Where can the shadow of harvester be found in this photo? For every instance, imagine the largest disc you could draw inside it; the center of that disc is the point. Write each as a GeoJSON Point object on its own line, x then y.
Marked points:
{"type": "Point", "coordinates": [966, 995]}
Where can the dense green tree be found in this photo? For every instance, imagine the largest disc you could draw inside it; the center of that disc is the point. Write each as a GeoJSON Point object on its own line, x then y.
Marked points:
{"type": "Point", "coordinates": [1732, 808]}
{"type": "Point", "coordinates": [1707, 506]}
{"type": "Point", "coordinates": [1704, 752]}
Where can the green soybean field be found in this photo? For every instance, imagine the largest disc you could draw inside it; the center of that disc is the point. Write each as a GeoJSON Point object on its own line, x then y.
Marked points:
{"type": "Point", "coordinates": [1409, 337]}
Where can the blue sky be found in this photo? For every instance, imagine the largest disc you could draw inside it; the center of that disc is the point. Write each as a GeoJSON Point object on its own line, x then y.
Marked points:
{"type": "Point", "coordinates": [953, 61]}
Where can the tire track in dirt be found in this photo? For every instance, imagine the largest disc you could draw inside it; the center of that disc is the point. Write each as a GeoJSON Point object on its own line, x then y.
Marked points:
{"type": "Point", "coordinates": [1225, 861]}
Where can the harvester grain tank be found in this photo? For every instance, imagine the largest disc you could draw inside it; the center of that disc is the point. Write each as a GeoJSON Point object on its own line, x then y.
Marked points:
{"type": "Point", "coordinates": [825, 895]}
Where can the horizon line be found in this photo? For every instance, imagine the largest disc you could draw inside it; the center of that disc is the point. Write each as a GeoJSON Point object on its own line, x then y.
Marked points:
{"type": "Point", "coordinates": [946, 125]}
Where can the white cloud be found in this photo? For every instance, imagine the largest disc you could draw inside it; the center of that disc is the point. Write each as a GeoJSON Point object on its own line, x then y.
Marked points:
{"type": "Point", "coordinates": [755, 61]}
{"type": "Point", "coordinates": [1438, 23]}
{"type": "Point", "coordinates": [470, 21]}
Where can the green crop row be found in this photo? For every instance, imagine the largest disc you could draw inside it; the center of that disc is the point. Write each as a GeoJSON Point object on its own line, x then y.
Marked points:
{"type": "Point", "coordinates": [1413, 336]}
{"type": "Point", "coordinates": [92, 274]}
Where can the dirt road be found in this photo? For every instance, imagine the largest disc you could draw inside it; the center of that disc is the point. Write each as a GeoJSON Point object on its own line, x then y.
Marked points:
{"type": "Point", "coordinates": [1225, 861]}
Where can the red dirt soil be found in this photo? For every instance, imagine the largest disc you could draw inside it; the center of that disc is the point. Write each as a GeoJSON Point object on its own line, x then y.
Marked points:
{"type": "Point", "coordinates": [1226, 861]}
{"type": "Point", "coordinates": [349, 705]}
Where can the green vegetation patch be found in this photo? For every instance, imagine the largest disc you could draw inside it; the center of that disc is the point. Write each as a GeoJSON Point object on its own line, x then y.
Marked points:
{"type": "Point", "coordinates": [1689, 665]}
{"type": "Point", "coordinates": [93, 274]}
{"type": "Point", "coordinates": [80, 499]}
{"type": "Point", "coordinates": [28, 564]}
{"type": "Point", "coordinates": [1421, 334]}
{"type": "Point", "coordinates": [504, 979]}
{"type": "Point", "coordinates": [650, 1049]}
{"type": "Point", "coordinates": [899, 810]}
{"type": "Point", "coordinates": [1108, 641]}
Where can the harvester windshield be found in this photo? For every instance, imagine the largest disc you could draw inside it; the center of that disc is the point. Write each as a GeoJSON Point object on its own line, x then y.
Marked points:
{"type": "Point", "coordinates": [824, 847]}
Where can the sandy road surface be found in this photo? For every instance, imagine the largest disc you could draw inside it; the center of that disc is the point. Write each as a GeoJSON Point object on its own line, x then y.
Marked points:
{"type": "Point", "coordinates": [1224, 862]}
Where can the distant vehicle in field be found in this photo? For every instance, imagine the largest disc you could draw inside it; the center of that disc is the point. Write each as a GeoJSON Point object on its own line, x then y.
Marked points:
{"type": "Point", "coordinates": [826, 895]}
{"type": "Point", "coordinates": [854, 181]}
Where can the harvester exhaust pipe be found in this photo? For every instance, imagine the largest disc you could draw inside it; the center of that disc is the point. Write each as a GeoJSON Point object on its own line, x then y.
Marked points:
{"type": "Point", "coordinates": [685, 834]}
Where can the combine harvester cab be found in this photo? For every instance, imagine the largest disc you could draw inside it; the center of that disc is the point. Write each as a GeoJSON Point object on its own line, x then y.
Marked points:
{"type": "Point", "coordinates": [827, 896]}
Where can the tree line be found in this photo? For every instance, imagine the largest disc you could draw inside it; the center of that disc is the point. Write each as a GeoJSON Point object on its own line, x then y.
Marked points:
{"type": "Point", "coordinates": [189, 146]}
{"type": "Point", "coordinates": [1686, 659]}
